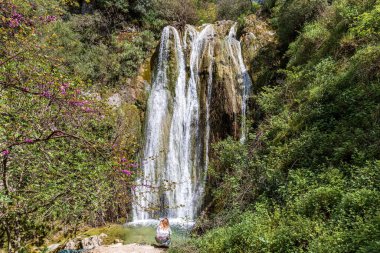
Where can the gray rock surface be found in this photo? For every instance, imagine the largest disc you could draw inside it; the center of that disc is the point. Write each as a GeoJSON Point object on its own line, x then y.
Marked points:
{"type": "Point", "coordinates": [93, 241]}
{"type": "Point", "coordinates": [53, 247]}
{"type": "Point", "coordinates": [73, 244]}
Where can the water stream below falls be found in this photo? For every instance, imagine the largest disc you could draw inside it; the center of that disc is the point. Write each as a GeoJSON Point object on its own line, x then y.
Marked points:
{"type": "Point", "coordinates": [177, 128]}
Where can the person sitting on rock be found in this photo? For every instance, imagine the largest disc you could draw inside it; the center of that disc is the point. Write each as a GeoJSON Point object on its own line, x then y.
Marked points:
{"type": "Point", "coordinates": [163, 233]}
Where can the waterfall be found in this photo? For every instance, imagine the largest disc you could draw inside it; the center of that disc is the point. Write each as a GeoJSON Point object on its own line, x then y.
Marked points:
{"type": "Point", "coordinates": [158, 115]}
{"type": "Point", "coordinates": [177, 130]}
{"type": "Point", "coordinates": [234, 49]}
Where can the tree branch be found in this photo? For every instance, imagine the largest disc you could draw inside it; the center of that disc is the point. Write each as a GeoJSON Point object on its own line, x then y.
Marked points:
{"type": "Point", "coordinates": [11, 57]}
{"type": "Point", "coordinates": [53, 135]}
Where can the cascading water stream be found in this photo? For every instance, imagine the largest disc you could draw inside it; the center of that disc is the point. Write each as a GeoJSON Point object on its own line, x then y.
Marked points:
{"type": "Point", "coordinates": [202, 45]}
{"type": "Point", "coordinates": [177, 131]}
{"type": "Point", "coordinates": [211, 50]}
{"type": "Point", "coordinates": [234, 48]}
{"type": "Point", "coordinates": [158, 114]}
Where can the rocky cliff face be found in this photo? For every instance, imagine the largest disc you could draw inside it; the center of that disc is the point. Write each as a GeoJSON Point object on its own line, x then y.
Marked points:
{"type": "Point", "coordinates": [255, 36]}
{"type": "Point", "coordinates": [259, 46]}
{"type": "Point", "coordinates": [227, 86]}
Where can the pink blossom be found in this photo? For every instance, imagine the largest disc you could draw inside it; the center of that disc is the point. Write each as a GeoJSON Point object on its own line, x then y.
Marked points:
{"type": "Point", "coordinates": [15, 20]}
{"type": "Point", "coordinates": [50, 18]}
{"type": "Point", "coordinates": [29, 140]}
{"type": "Point", "coordinates": [46, 94]}
{"type": "Point", "coordinates": [13, 23]}
{"type": "Point", "coordinates": [88, 109]}
{"type": "Point", "coordinates": [78, 103]}
{"type": "Point", "coordinates": [17, 16]}
{"type": "Point", "coordinates": [127, 172]}
{"type": "Point", "coordinates": [5, 152]}
{"type": "Point", "coordinates": [133, 165]}
{"type": "Point", "coordinates": [123, 160]}
{"type": "Point", "coordinates": [63, 89]}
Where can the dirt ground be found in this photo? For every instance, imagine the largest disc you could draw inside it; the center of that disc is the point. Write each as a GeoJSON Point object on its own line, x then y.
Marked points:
{"type": "Point", "coordinates": [129, 248]}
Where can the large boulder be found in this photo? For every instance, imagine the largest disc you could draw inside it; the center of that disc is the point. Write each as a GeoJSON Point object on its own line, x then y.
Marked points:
{"type": "Point", "coordinates": [73, 244]}
{"type": "Point", "coordinates": [86, 243]}
{"type": "Point", "coordinates": [93, 241]}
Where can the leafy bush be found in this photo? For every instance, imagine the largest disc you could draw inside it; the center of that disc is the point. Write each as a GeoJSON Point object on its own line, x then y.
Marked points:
{"type": "Point", "coordinates": [233, 9]}
{"type": "Point", "coordinates": [367, 25]}
{"type": "Point", "coordinates": [303, 49]}
{"type": "Point", "coordinates": [227, 172]}
{"type": "Point", "coordinates": [323, 213]}
{"type": "Point", "coordinates": [207, 13]}
{"type": "Point", "coordinates": [321, 201]}
{"type": "Point", "coordinates": [92, 56]}
{"type": "Point", "coordinates": [290, 16]}
{"type": "Point", "coordinates": [179, 12]}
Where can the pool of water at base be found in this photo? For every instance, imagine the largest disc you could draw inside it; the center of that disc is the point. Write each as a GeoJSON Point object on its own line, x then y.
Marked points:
{"type": "Point", "coordinates": [139, 233]}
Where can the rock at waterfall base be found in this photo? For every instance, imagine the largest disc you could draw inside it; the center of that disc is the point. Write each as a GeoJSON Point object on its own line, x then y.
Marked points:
{"type": "Point", "coordinates": [88, 243]}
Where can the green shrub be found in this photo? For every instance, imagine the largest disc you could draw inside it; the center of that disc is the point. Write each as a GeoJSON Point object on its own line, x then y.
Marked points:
{"type": "Point", "coordinates": [103, 59]}
{"type": "Point", "coordinates": [361, 203]}
{"type": "Point", "coordinates": [251, 234]}
{"type": "Point", "coordinates": [233, 9]}
{"type": "Point", "coordinates": [367, 25]}
{"type": "Point", "coordinates": [290, 16]}
{"type": "Point", "coordinates": [207, 13]}
{"type": "Point", "coordinates": [177, 12]}
{"type": "Point", "coordinates": [293, 234]}
{"type": "Point", "coordinates": [304, 48]}
{"type": "Point", "coordinates": [319, 202]}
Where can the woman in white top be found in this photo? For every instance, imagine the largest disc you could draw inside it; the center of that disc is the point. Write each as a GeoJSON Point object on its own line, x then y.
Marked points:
{"type": "Point", "coordinates": [163, 233]}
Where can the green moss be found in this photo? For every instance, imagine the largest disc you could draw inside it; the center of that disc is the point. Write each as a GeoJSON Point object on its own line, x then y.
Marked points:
{"type": "Point", "coordinates": [143, 235]}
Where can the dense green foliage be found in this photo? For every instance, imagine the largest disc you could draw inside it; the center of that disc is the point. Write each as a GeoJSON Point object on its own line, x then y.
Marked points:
{"type": "Point", "coordinates": [308, 181]}
{"type": "Point", "coordinates": [103, 59]}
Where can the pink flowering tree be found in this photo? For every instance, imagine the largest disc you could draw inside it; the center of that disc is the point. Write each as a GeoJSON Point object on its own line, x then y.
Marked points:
{"type": "Point", "coordinates": [57, 139]}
